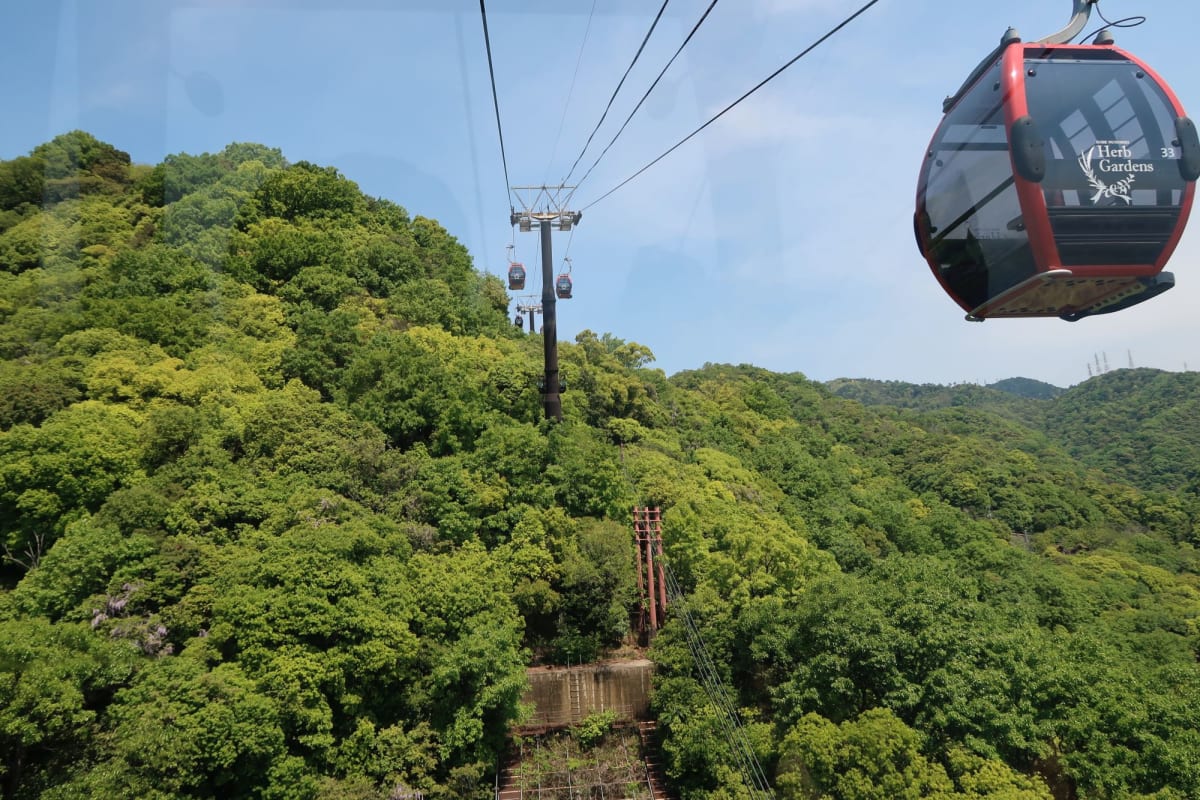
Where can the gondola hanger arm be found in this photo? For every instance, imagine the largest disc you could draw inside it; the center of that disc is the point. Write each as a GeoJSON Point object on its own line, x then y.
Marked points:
{"type": "Point", "coordinates": [1079, 16]}
{"type": "Point", "coordinates": [1082, 11]}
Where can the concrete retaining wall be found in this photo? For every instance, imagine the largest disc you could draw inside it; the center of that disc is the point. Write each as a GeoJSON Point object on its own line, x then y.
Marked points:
{"type": "Point", "coordinates": [563, 696]}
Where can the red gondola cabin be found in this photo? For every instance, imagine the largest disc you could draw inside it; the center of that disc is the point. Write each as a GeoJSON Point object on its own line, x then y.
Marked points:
{"type": "Point", "coordinates": [516, 276]}
{"type": "Point", "coordinates": [562, 287]}
{"type": "Point", "coordinates": [1058, 184]}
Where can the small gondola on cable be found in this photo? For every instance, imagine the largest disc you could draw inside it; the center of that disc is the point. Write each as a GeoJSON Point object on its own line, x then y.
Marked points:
{"type": "Point", "coordinates": [1059, 181]}
{"type": "Point", "coordinates": [516, 272]}
{"type": "Point", "coordinates": [516, 276]}
{"type": "Point", "coordinates": [563, 285]}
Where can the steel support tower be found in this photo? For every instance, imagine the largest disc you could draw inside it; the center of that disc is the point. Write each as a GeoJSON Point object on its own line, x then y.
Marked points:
{"type": "Point", "coordinates": [552, 201]}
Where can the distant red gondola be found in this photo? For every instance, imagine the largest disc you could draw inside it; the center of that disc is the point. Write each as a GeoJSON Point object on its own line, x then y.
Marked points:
{"type": "Point", "coordinates": [562, 287]}
{"type": "Point", "coordinates": [1058, 183]}
{"type": "Point", "coordinates": [516, 276]}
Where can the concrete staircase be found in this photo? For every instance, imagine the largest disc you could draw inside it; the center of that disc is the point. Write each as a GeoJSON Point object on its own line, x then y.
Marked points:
{"type": "Point", "coordinates": [648, 736]}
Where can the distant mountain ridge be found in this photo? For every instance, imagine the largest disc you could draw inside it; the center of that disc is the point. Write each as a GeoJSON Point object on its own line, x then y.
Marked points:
{"type": "Point", "coordinates": [1140, 425]}
{"type": "Point", "coordinates": [1028, 387]}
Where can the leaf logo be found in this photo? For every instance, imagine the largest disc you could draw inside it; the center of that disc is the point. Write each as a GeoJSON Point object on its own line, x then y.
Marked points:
{"type": "Point", "coordinates": [1120, 189]}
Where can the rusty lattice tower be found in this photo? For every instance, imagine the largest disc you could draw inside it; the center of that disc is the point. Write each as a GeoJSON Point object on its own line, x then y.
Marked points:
{"type": "Point", "coordinates": [652, 588]}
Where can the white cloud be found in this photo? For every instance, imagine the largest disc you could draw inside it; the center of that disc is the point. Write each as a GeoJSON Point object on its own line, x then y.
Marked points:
{"type": "Point", "coordinates": [766, 120]}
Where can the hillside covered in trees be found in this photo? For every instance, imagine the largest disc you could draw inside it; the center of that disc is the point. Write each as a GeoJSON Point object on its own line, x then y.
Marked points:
{"type": "Point", "coordinates": [1140, 426]}
{"type": "Point", "coordinates": [281, 519]}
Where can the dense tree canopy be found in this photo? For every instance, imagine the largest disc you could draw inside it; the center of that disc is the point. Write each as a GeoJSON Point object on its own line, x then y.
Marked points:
{"type": "Point", "coordinates": [280, 518]}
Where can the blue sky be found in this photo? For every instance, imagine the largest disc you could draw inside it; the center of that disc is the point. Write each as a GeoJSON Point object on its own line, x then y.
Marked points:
{"type": "Point", "coordinates": [781, 236]}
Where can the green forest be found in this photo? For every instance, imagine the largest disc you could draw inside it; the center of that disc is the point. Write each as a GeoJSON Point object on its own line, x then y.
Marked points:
{"type": "Point", "coordinates": [281, 518]}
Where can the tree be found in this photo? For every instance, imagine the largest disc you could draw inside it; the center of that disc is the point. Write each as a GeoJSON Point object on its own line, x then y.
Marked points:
{"type": "Point", "coordinates": [188, 731]}
{"type": "Point", "coordinates": [51, 474]}
{"type": "Point", "coordinates": [872, 757]}
{"type": "Point", "coordinates": [306, 190]}
{"type": "Point", "coordinates": [597, 590]}
{"type": "Point", "coordinates": [55, 681]}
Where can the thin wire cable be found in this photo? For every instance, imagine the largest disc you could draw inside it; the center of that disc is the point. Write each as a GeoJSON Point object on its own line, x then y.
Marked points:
{"type": "Point", "coordinates": [570, 237]}
{"type": "Point", "coordinates": [752, 772]}
{"type": "Point", "coordinates": [1124, 22]}
{"type": "Point", "coordinates": [570, 91]}
{"type": "Point", "coordinates": [729, 107]}
{"type": "Point", "coordinates": [473, 148]}
{"type": "Point", "coordinates": [695, 28]}
{"type": "Point", "coordinates": [496, 102]}
{"type": "Point", "coordinates": [636, 55]}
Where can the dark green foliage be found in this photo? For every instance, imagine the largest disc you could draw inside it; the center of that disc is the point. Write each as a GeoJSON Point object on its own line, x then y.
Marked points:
{"type": "Point", "coordinates": [70, 153]}
{"type": "Point", "coordinates": [281, 519]}
{"type": "Point", "coordinates": [70, 165]}
{"type": "Point", "coordinates": [927, 397]}
{"type": "Point", "coordinates": [427, 385]}
{"type": "Point", "coordinates": [1028, 387]}
{"type": "Point", "coordinates": [31, 392]}
{"type": "Point", "coordinates": [597, 591]}
{"type": "Point", "coordinates": [22, 183]}
{"type": "Point", "coordinates": [1139, 425]}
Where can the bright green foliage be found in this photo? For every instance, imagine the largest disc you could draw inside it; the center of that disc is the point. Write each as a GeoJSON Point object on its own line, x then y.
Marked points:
{"type": "Point", "coordinates": [187, 731]}
{"type": "Point", "coordinates": [608, 372]}
{"type": "Point", "coordinates": [874, 757]}
{"type": "Point", "coordinates": [281, 518]}
{"type": "Point", "coordinates": [427, 385]}
{"type": "Point", "coordinates": [977, 778]}
{"type": "Point", "coordinates": [878, 757]}
{"type": "Point", "coordinates": [70, 464]}
{"type": "Point", "coordinates": [79, 566]}
{"type": "Point", "coordinates": [306, 190]}
{"type": "Point", "coordinates": [55, 682]}
{"type": "Point", "coordinates": [594, 728]}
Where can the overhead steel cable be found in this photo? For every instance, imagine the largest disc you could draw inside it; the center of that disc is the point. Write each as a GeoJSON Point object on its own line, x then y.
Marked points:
{"type": "Point", "coordinates": [695, 28]}
{"type": "Point", "coordinates": [747, 762]}
{"type": "Point", "coordinates": [748, 765]}
{"type": "Point", "coordinates": [496, 102]}
{"type": "Point", "coordinates": [629, 69]}
{"type": "Point", "coordinates": [571, 91]}
{"type": "Point", "coordinates": [729, 107]}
